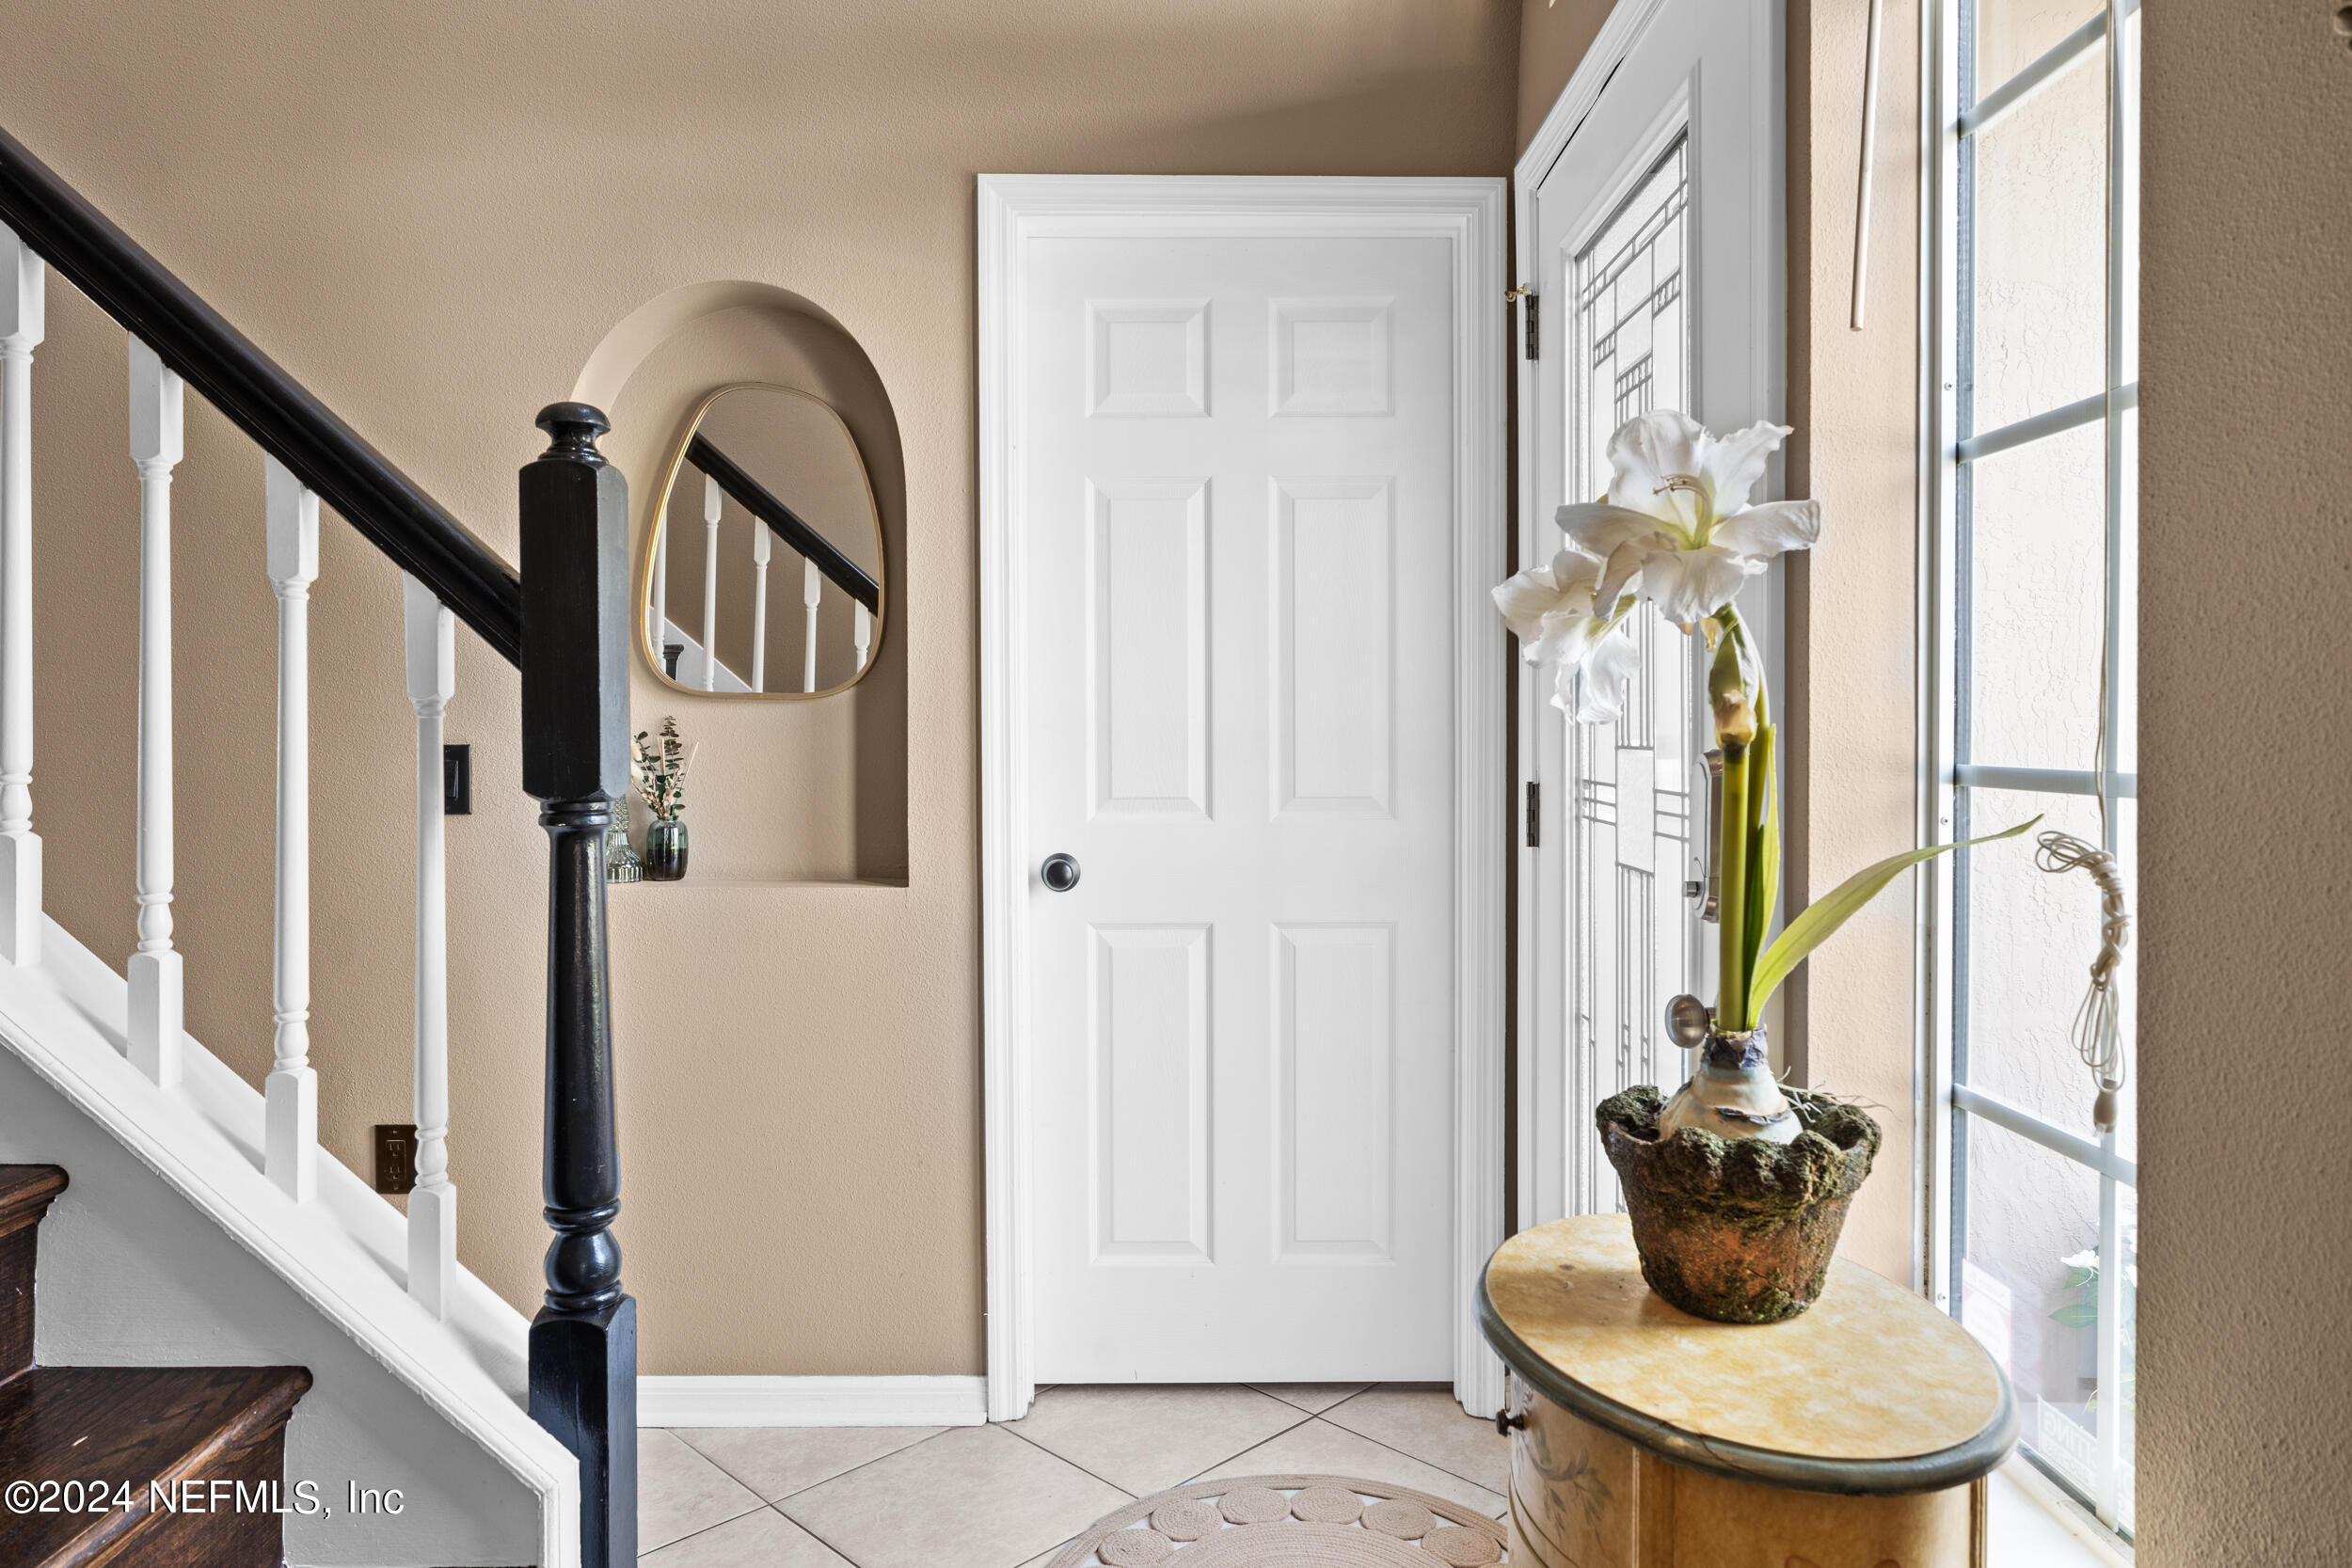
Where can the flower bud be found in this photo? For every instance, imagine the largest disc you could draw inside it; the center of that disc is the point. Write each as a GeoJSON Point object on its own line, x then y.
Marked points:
{"type": "Point", "coordinates": [1727, 690]}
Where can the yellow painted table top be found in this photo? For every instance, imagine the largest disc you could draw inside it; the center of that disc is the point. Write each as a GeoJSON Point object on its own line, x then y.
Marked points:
{"type": "Point", "coordinates": [1870, 1372]}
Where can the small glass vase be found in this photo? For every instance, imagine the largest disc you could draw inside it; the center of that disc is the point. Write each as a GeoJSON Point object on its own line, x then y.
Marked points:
{"type": "Point", "coordinates": [621, 863]}
{"type": "Point", "coordinates": [665, 850]}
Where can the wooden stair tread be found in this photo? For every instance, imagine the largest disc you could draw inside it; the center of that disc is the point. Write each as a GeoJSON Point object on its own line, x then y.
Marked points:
{"type": "Point", "coordinates": [25, 1192]}
{"type": "Point", "coordinates": [125, 1424]}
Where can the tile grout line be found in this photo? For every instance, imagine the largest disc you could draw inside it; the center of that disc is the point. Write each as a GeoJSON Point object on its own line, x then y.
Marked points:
{"type": "Point", "coordinates": [811, 1529]}
{"type": "Point", "coordinates": [1305, 1417]}
{"type": "Point", "coordinates": [1295, 1405]}
{"type": "Point", "coordinates": [1404, 1453]}
{"type": "Point", "coordinates": [723, 1470]}
{"type": "Point", "coordinates": [1310, 1418]}
{"type": "Point", "coordinates": [1133, 1496]}
{"type": "Point", "coordinates": [1074, 1464]}
{"type": "Point", "coordinates": [1065, 1459]}
{"type": "Point", "coordinates": [1409, 1454]}
{"type": "Point", "coordinates": [1467, 1481]}
{"type": "Point", "coordinates": [716, 1524]}
{"type": "Point", "coordinates": [777, 1503]}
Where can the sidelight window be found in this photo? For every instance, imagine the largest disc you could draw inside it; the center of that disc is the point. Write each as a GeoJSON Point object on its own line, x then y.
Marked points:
{"type": "Point", "coordinates": [2033, 394]}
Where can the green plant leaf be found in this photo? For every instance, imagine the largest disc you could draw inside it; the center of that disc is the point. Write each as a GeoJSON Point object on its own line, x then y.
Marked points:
{"type": "Point", "coordinates": [1824, 915]}
{"type": "Point", "coordinates": [1731, 870]}
{"type": "Point", "coordinates": [1763, 843]}
{"type": "Point", "coordinates": [2083, 1314]}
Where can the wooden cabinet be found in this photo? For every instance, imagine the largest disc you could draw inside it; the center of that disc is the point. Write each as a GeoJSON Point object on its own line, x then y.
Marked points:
{"type": "Point", "coordinates": [1856, 1435]}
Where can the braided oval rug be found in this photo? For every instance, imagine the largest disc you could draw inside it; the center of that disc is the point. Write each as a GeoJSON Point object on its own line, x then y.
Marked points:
{"type": "Point", "coordinates": [1288, 1522]}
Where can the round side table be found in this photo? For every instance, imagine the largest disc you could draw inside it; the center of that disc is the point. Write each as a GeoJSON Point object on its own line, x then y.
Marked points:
{"type": "Point", "coordinates": [1853, 1435]}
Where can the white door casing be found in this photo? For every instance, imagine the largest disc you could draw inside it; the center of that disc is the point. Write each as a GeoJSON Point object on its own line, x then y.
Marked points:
{"type": "Point", "coordinates": [1649, 225]}
{"type": "Point", "coordinates": [1242, 489]}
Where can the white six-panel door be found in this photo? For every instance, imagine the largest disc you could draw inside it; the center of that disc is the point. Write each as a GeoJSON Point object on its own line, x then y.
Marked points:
{"type": "Point", "coordinates": [1237, 474]}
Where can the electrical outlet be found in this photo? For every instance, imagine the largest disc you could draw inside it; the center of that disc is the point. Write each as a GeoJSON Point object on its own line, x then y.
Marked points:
{"type": "Point", "coordinates": [457, 781]}
{"type": "Point", "coordinates": [395, 1156]}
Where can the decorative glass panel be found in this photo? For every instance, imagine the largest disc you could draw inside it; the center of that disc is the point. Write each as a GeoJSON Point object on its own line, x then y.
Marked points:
{"type": "Point", "coordinates": [1632, 933]}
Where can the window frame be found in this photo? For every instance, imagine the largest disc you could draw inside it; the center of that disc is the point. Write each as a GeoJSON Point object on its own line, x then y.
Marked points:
{"type": "Point", "coordinates": [1948, 123]}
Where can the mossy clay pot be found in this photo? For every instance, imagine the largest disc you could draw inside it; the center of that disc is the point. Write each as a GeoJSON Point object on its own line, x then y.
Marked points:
{"type": "Point", "coordinates": [1738, 1230]}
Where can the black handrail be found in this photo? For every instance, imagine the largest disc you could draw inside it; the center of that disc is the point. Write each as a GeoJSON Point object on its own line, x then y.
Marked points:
{"type": "Point", "coordinates": [391, 510]}
{"type": "Point", "coordinates": [787, 525]}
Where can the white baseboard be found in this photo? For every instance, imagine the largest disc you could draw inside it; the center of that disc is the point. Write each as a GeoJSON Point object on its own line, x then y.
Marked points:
{"type": "Point", "coordinates": [812, 1401]}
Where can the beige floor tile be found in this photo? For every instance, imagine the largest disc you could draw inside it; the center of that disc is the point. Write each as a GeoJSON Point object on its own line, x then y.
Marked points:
{"type": "Point", "coordinates": [776, 1462]}
{"type": "Point", "coordinates": [1319, 1449]}
{"type": "Point", "coordinates": [763, 1539]}
{"type": "Point", "coordinates": [679, 1493]}
{"type": "Point", "coordinates": [1141, 1437]}
{"type": "Point", "coordinates": [1429, 1425]}
{"type": "Point", "coordinates": [973, 1496]}
{"type": "Point", "coordinates": [1315, 1398]}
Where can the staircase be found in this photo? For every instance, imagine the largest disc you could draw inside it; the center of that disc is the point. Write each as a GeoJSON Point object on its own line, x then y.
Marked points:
{"type": "Point", "coordinates": [117, 1465]}
{"type": "Point", "coordinates": [194, 1185]}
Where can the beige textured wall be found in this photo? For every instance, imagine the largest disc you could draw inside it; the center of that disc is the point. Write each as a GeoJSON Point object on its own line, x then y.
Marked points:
{"type": "Point", "coordinates": [433, 214]}
{"type": "Point", "coordinates": [2246, 741]}
{"type": "Point", "coordinates": [1852, 664]}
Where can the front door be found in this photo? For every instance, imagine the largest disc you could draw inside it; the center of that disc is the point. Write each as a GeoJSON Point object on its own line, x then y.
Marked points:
{"type": "Point", "coordinates": [1239, 487]}
{"type": "Point", "coordinates": [1650, 235]}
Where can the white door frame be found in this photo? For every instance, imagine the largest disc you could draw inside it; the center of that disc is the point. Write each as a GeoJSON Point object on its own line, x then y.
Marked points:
{"type": "Point", "coordinates": [1469, 214]}
{"type": "Point", "coordinates": [1542, 876]}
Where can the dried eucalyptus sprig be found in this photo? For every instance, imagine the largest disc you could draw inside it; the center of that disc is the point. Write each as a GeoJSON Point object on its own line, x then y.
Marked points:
{"type": "Point", "coordinates": [660, 768]}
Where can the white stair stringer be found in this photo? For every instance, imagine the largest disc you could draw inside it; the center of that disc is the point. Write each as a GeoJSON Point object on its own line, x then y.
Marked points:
{"type": "Point", "coordinates": [344, 1253]}
{"type": "Point", "coordinates": [689, 663]}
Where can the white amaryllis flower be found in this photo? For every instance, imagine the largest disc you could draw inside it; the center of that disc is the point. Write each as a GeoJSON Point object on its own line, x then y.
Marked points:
{"type": "Point", "coordinates": [1552, 609]}
{"type": "Point", "coordinates": [1676, 528]}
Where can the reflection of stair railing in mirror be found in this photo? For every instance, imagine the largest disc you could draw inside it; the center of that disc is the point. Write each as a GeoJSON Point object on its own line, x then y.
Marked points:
{"type": "Point", "coordinates": [758, 466]}
{"type": "Point", "coordinates": [712, 511]}
{"type": "Point", "coordinates": [820, 561]}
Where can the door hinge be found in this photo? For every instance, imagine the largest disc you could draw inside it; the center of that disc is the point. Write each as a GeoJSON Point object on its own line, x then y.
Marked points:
{"type": "Point", "coordinates": [1534, 816]}
{"type": "Point", "coordinates": [1535, 331]}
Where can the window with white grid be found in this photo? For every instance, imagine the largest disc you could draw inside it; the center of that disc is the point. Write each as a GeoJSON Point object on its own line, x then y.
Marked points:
{"type": "Point", "coordinates": [2033, 179]}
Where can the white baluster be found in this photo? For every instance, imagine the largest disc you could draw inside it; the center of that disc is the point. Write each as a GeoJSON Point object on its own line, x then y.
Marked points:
{"type": "Point", "coordinates": [433, 1202]}
{"type": "Point", "coordinates": [291, 1090]}
{"type": "Point", "coordinates": [711, 583]}
{"type": "Point", "coordinates": [658, 633]}
{"type": "Point", "coordinates": [811, 590]}
{"type": "Point", "coordinates": [762, 546]}
{"type": "Point", "coordinates": [154, 969]}
{"type": "Point", "coordinates": [862, 633]}
{"type": "Point", "coordinates": [22, 284]}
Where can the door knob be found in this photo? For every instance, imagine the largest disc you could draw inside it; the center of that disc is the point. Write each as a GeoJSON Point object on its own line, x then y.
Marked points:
{"type": "Point", "coordinates": [1059, 872]}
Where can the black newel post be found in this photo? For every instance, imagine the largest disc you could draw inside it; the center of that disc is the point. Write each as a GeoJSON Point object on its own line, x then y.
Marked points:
{"type": "Point", "coordinates": [575, 572]}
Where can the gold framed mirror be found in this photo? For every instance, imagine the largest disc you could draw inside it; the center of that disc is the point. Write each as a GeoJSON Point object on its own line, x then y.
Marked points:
{"type": "Point", "coordinates": [762, 575]}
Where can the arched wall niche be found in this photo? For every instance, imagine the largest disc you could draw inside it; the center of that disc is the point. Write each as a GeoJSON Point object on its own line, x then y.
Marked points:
{"type": "Point", "coordinates": [780, 792]}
